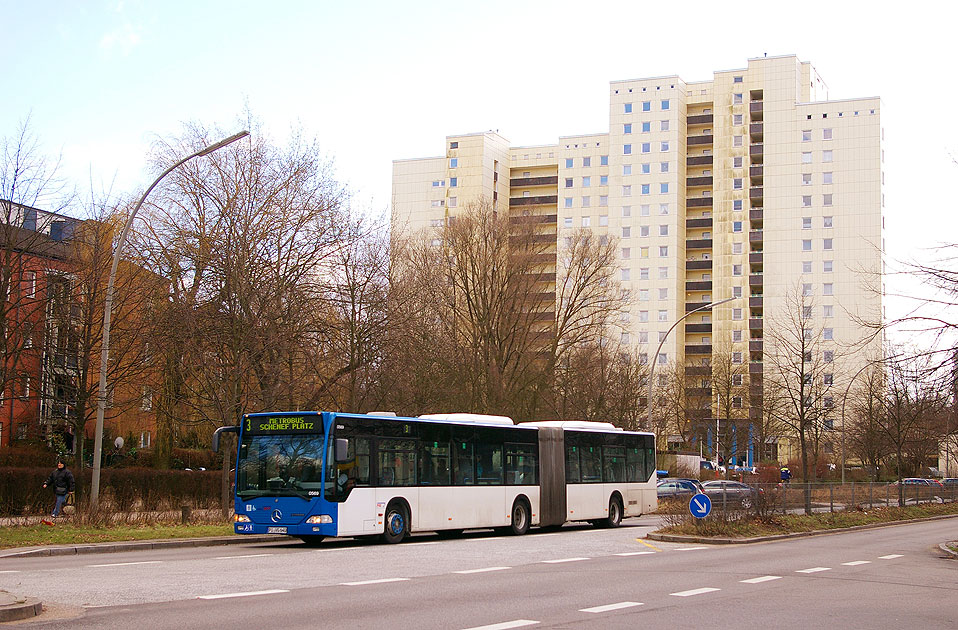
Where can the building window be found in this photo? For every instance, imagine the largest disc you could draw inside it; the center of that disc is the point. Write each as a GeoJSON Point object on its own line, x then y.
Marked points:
{"type": "Point", "coordinates": [827, 199]}
{"type": "Point", "coordinates": [665, 104]}
{"type": "Point", "coordinates": [586, 221]}
{"type": "Point", "coordinates": [603, 219]}
{"type": "Point", "coordinates": [646, 127]}
{"type": "Point", "coordinates": [664, 187]}
{"type": "Point", "coordinates": [828, 288]}
{"type": "Point", "coordinates": [626, 231]}
{"type": "Point", "coordinates": [827, 221]}
{"type": "Point", "coordinates": [646, 188]}
{"type": "Point", "coordinates": [829, 356]}
{"type": "Point", "coordinates": [736, 270]}
{"type": "Point", "coordinates": [567, 222]}
{"type": "Point", "coordinates": [806, 135]}
{"type": "Point", "coordinates": [627, 149]}
{"type": "Point", "coordinates": [603, 160]}
{"type": "Point", "coordinates": [628, 108]}
{"type": "Point", "coordinates": [663, 316]}
{"type": "Point", "coordinates": [807, 290]}
{"type": "Point", "coordinates": [603, 180]}
{"type": "Point", "coordinates": [663, 294]}
{"type": "Point", "coordinates": [626, 169]}
{"type": "Point", "coordinates": [828, 310]}
{"type": "Point", "coordinates": [453, 182]}
{"type": "Point", "coordinates": [644, 210]}
{"type": "Point", "coordinates": [737, 314]}
{"type": "Point", "coordinates": [663, 251]}
{"type": "Point", "coordinates": [643, 231]}
{"type": "Point", "coordinates": [586, 182]}
{"type": "Point", "coordinates": [624, 338]}
{"type": "Point", "coordinates": [663, 208]}
{"type": "Point", "coordinates": [644, 273]}
{"type": "Point", "coordinates": [663, 230]}
{"type": "Point", "coordinates": [737, 292]}
{"type": "Point", "coordinates": [603, 200]}
{"type": "Point", "coordinates": [626, 211]}
{"type": "Point", "coordinates": [569, 162]}
{"type": "Point", "coordinates": [567, 202]}
{"type": "Point", "coordinates": [806, 266]}
{"type": "Point", "coordinates": [626, 274]}
{"type": "Point", "coordinates": [736, 162]}
{"type": "Point", "coordinates": [646, 168]}
{"type": "Point", "coordinates": [586, 161]}
{"type": "Point", "coordinates": [806, 157]}
{"type": "Point", "coordinates": [663, 167]}
{"type": "Point", "coordinates": [453, 162]}
{"type": "Point", "coordinates": [568, 182]}
{"type": "Point", "coordinates": [826, 134]}
{"type": "Point", "coordinates": [646, 147]}
{"type": "Point", "coordinates": [827, 244]}
{"type": "Point", "coordinates": [829, 379]}
{"type": "Point", "coordinates": [664, 125]}
{"type": "Point", "coordinates": [646, 106]}
{"type": "Point", "coordinates": [627, 128]}
{"type": "Point", "coordinates": [453, 202]}
{"type": "Point", "coordinates": [827, 266]}
{"type": "Point", "coordinates": [626, 253]}
{"type": "Point", "coordinates": [453, 145]}
{"type": "Point", "coordinates": [736, 119]}
{"type": "Point", "coordinates": [736, 357]}
{"type": "Point", "coordinates": [146, 402]}
{"type": "Point", "coordinates": [806, 223]}
{"type": "Point", "coordinates": [664, 146]}
{"type": "Point", "coordinates": [826, 156]}
{"type": "Point", "coordinates": [736, 248]}
{"type": "Point", "coordinates": [827, 178]}
{"type": "Point", "coordinates": [586, 202]}
{"type": "Point", "coordinates": [737, 141]}
{"type": "Point", "coordinates": [627, 191]}
{"type": "Point", "coordinates": [806, 179]}
{"type": "Point", "coordinates": [737, 205]}
{"type": "Point", "coordinates": [663, 273]}
{"type": "Point", "coordinates": [807, 245]}
{"type": "Point", "coordinates": [806, 201]}
{"type": "Point", "coordinates": [736, 226]}
{"type": "Point", "coordinates": [643, 316]}
{"type": "Point", "coordinates": [737, 98]}
{"type": "Point", "coordinates": [438, 183]}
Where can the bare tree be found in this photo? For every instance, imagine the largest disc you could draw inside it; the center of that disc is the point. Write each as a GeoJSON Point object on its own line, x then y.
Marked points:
{"type": "Point", "coordinates": [730, 384]}
{"type": "Point", "coordinates": [864, 435]}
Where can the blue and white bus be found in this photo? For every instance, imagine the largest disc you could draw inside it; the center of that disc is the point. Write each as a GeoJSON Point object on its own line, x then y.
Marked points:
{"type": "Point", "coordinates": [318, 474]}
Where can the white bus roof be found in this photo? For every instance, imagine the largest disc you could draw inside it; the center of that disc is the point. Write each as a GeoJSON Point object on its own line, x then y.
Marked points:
{"type": "Point", "coordinates": [576, 424]}
{"type": "Point", "coordinates": [476, 418]}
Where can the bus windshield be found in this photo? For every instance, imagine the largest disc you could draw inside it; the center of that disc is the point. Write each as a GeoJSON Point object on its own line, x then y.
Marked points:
{"type": "Point", "coordinates": [280, 465]}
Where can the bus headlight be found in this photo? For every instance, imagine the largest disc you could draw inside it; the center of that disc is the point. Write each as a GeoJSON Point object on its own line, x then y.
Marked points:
{"type": "Point", "coordinates": [240, 518]}
{"type": "Point", "coordinates": [322, 518]}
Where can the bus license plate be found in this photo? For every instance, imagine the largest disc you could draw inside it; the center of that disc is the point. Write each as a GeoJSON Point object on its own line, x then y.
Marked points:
{"type": "Point", "coordinates": [275, 530]}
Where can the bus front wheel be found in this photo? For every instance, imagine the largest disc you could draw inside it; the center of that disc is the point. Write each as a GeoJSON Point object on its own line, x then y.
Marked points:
{"type": "Point", "coordinates": [396, 523]}
{"type": "Point", "coordinates": [615, 513]}
{"type": "Point", "coordinates": [312, 541]}
{"type": "Point", "coordinates": [520, 517]}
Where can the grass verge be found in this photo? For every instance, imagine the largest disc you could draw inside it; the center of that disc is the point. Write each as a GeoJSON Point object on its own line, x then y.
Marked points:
{"type": "Point", "coordinates": [750, 526]}
{"type": "Point", "coordinates": [69, 534]}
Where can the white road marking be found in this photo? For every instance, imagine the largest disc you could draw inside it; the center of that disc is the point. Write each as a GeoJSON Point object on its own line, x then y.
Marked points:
{"type": "Point", "coordinates": [490, 538]}
{"type": "Point", "coordinates": [564, 560]}
{"type": "Point", "coordinates": [608, 607]}
{"type": "Point", "coordinates": [635, 553]}
{"type": "Point", "coordinates": [505, 625]}
{"type": "Point", "coordinates": [125, 564]}
{"type": "Point", "coordinates": [382, 581]}
{"type": "Point", "coordinates": [856, 563]}
{"type": "Point", "coordinates": [890, 557]}
{"type": "Point", "coordinates": [252, 555]}
{"type": "Point", "coordinates": [247, 594]}
{"type": "Point", "coordinates": [759, 580]}
{"type": "Point", "coordinates": [549, 534]}
{"type": "Point", "coordinates": [690, 548]}
{"type": "Point", "coordinates": [9, 572]}
{"type": "Point", "coordinates": [696, 591]}
{"type": "Point", "coordinates": [814, 570]}
{"type": "Point", "coordinates": [482, 570]}
{"type": "Point", "coordinates": [431, 542]}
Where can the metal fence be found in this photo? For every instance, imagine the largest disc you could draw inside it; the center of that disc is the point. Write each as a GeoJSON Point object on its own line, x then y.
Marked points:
{"type": "Point", "coordinates": [831, 497]}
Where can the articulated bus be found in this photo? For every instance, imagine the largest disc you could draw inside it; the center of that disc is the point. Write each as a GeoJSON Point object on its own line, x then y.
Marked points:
{"type": "Point", "coordinates": [318, 474]}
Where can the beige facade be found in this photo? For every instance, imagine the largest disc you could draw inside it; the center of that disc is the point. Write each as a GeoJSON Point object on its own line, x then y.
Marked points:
{"type": "Point", "coordinates": [749, 185]}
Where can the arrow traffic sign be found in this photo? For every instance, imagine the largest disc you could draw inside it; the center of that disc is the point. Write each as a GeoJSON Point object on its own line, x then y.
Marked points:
{"type": "Point", "coordinates": [700, 505]}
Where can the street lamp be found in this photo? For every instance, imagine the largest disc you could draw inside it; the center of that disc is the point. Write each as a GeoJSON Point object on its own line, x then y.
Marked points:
{"type": "Point", "coordinates": [108, 307]}
{"type": "Point", "coordinates": [655, 357]}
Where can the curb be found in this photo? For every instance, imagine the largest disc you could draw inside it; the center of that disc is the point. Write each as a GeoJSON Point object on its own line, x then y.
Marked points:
{"type": "Point", "coordinates": [145, 545]}
{"type": "Point", "coordinates": [677, 538]}
{"type": "Point", "coordinates": [13, 608]}
{"type": "Point", "coordinates": [944, 547]}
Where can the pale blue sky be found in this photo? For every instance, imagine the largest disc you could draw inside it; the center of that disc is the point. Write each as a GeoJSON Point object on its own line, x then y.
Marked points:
{"type": "Point", "coordinates": [377, 81]}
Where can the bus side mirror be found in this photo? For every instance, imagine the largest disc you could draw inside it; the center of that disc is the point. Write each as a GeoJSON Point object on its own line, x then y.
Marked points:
{"type": "Point", "coordinates": [342, 450]}
{"type": "Point", "coordinates": [216, 435]}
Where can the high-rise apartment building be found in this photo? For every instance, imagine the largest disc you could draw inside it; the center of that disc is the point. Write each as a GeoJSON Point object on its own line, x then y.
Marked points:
{"type": "Point", "coordinates": [751, 185]}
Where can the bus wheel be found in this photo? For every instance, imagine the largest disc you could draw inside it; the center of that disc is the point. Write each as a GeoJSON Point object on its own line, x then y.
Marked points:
{"type": "Point", "coordinates": [397, 523]}
{"type": "Point", "coordinates": [520, 517]}
{"type": "Point", "coordinates": [312, 541]}
{"type": "Point", "coordinates": [615, 513]}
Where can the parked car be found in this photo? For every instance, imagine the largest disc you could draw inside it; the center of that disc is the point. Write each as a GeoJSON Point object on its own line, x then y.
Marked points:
{"type": "Point", "coordinates": [735, 493]}
{"type": "Point", "coordinates": [950, 482]}
{"type": "Point", "coordinates": [932, 484]}
{"type": "Point", "coordinates": [674, 487]}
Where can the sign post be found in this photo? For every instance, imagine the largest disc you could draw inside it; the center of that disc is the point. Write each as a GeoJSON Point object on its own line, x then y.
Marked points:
{"type": "Point", "coordinates": [700, 505]}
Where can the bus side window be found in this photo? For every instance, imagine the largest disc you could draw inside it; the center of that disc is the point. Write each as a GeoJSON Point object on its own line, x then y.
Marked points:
{"type": "Point", "coordinates": [465, 469]}
{"type": "Point", "coordinates": [572, 474]}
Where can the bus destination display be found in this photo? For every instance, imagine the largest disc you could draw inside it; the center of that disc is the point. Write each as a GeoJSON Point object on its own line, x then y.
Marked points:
{"type": "Point", "coordinates": [283, 424]}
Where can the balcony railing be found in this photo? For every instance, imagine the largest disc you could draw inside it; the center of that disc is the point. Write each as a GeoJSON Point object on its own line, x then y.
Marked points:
{"type": "Point", "coordinates": [755, 280]}
{"type": "Point", "coordinates": [755, 368]}
{"type": "Point", "coordinates": [699, 243]}
{"type": "Point", "coordinates": [755, 236]}
{"type": "Point", "coordinates": [705, 222]}
{"type": "Point", "coordinates": [754, 323]}
{"type": "Point", "coordinates": [521, 182]}
{"type": "Point", "coordinates": [698, 160]}
{"type": "Point", "coordinates": [700, 119]}
{"type": "Point", "coordinates": [756, 214]}
{"type": "Point", "coordinates": [699, 140]}
{"type": "Point", "coordinates": [756, 258]}
{"type": "Point", "coordinates": [691, 306]}
{"type": "Point", "coordinates": [697, 265]}
{"type": "Point", "coordinates": [534, 218]}
{"type": "Point", "coordinates": [698, 202]}
{"type": "Point", "coordinates": [756, 302]}
{"type": "Point", "coordinates": [705, 180]}
{"type": "Point", "coordinates": [755, 345]}
{"type": "Point", "coordinates": [543, 200]}
{"type": "Point", "coordinates": [699, 348]}
{"type": "Point", "coordinates": [756, 192]}
{"type": "Point", "coordinates": [756, 149]}
{"type": "Point", "coordinates": [698, 328]}
{"type": "Point", "coordinates": [698, 285]}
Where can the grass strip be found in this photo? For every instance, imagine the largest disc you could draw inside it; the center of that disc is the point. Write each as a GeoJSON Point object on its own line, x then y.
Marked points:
{"type": "Point", "coordinates": [750, 526]}
{"type": "Point", "coordinates": [69, 534]}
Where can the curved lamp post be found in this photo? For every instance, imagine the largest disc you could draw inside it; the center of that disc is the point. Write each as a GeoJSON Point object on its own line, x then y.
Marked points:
{"type": "Point", "coordinates": [662, 342]}
{"type": "Point", "coordinates": [108, 308]}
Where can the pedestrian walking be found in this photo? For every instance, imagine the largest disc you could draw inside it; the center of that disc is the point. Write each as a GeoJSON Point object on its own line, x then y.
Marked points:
{"type": "Point", "coordinates": [63, 485]}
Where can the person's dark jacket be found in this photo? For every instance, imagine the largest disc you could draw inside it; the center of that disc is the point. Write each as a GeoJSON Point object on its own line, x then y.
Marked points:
{"type": "Point", "coordinates": [61, 481]}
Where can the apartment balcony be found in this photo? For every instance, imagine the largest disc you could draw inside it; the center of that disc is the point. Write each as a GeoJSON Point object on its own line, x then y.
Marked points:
{"type": "Point", "coordinates": [698, 348]}
{"type": "Point", "coordinates": [755, 258]}
{"type": "Point", "coordinates": [754, 323]}
{"type": "Point", "coordinates": [755, 236]}
{"type": "Point", "coordinates": [756, 149]}
{"type": "Point", "coordinates": [529, 182]}
{"type": "Point", "coordinates": [698, 370]}
{"type": "Point", "coordinates": [755, 345]}
{"type": "Point", "coordinates": [705, 180]}
{"type": "Point", "coordinates": [699, 119]}
{"type": "Point", "coordinates": [691, 306]}
{"type": "Point", "coordinates": [756, 110]}
{"type": "Point", "coordinates": [756, 214]}
{"type": "Point", "coordinates": [756, 174]}
{"type": "Point", "coordinates": [698, 160]}
{"type": "Point", "coordinates": [698, 202]}
{"type": "Point", "coordinates": [697, 265]}
{"type": "Point", "coordinates": [755, 367]}
{"type": "Point", "coordinates": [756, 192]}
{"type": "Point", "coordinates": [756, 302]}
{"type": "Point", "coordinates": [543, 200]}
{"type": "Point", "coordinates": [698, 328]}
{"type": "Point", "coordinates": [698, 243]}
{"type": "Point", "coordinates": [535, 238]}
{"type": "Point", "coordinates": [755, 280]}
{"type": "Point", "coordinates": [756, 131]}
{"type": "Point", "coordinates": [756, 95]}
{"type": "Point", "coordinates": [699, 140]}
{"type": "Point", "coordinates": [705, 222]}
{"type": "Point", "coordinates": [698, 285]}
{"type": "Point", "coordinates": [698, 392]}
{"type": "Point", "coordinates": [534, 219]}
{"type": "Point", "coordinates": [755, 413]}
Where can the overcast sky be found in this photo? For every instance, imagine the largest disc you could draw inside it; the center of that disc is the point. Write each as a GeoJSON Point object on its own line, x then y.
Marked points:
{"type": "Point", "coordinates": [377, 81]}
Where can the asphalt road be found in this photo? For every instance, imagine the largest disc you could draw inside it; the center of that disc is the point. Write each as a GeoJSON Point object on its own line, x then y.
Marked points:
{"type": "Point", "coordinates": [576, 578]}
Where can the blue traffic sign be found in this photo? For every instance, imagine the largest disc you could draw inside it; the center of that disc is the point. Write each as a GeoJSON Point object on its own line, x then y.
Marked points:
{"type": "Point", "coordinates": [700, 505]}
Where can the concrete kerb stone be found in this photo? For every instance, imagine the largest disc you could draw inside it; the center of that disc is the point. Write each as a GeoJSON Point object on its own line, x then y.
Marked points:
{"type": "Point", "coordinates": [677, 538]}
{"type": "Point", "coordinates": [944, 547]}
{"type": "Point", "coordinates": [14, 607]}
{"type": "Point", "coordinates": [148, 545]}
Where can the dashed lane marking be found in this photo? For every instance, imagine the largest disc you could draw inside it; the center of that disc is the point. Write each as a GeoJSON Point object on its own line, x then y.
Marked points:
{"type": "Point", "coordinates": [9, 572]}
{"type": "Point", "coordinates": [247, 594]}
{"type": "Point", "coordinates": [695, 591]}
{"type": "Point", "coordinates": [610, 607]}
{"type": "Point", "coordinates": [505, 625]}
{"type": "Point", "coordinates": [759, 580]}
{"type": "Point", "coordinates": [564, 560]}
{"type": "Point", "coordinates": [486, 570]}
{"type": "Point", "coordinates": [125, 564]}
{"type": "Point", "coordinates": [382, 581]}
{"type": "Point", "coordinates": [635, 553]}
{"type": "Point", "coordinates": [251, 555]}
{"type": "Point", "coordinates": [486, 538]}
{"type": "Point", "coordinates": [690, 548]}
{"type": "Point", "coordinates": [856, 563]}
{"type": "Point", "coordinates": [814, 570]}
{"type": "Point", "coordinates": [890, 556]}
